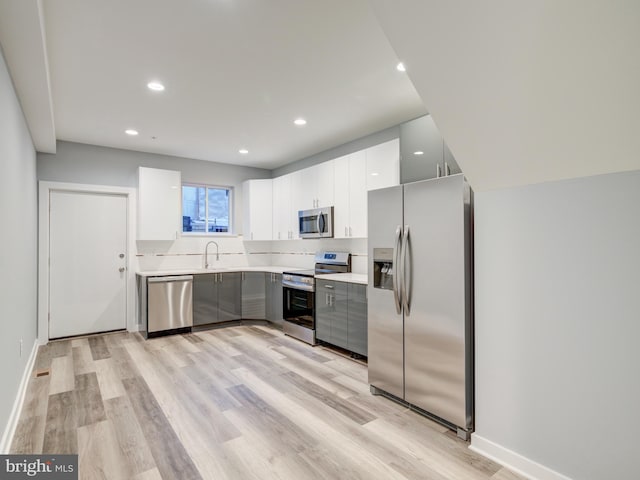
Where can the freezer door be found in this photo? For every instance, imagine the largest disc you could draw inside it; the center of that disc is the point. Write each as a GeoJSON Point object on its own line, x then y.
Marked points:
{"type": "Point", "coordinates": [437, 322]}
{"type": "Point", "coordinates": [385, 328]}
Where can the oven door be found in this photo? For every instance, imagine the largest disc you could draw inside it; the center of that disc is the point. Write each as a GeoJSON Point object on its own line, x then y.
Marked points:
{"type": "Point", "coordinates": [298, 307]}
{"type": "Point", "coordinates": [316, 223]}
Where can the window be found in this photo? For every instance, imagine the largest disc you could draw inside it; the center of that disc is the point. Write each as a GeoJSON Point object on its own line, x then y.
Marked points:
{"type": "Point", "coordinates": [206, 209]}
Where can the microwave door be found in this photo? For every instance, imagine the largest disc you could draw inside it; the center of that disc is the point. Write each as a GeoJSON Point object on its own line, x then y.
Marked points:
{"type": "Point", "coordinates": [325, 225]}
{"type": "Point", "coordinates": [316, 223]}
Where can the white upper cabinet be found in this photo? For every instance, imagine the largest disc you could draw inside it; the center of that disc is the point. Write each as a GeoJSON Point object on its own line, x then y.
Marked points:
{"type": "Point", "coordinates": [323, 184]}
{"type": "Point", "coordinates": [358, 194]}
{"type": "Point", "coordinates": [313, 187]}
{"type": "Point", "coordinates": [302, 193]}
{"type": "Point", "coordinates": [350, 212]}
{"type": "Point", "coordinates": [299, 199]}
{"type": "Point", "coordinates": [342, 183]}
{"type": "Point", "coordinates": [383, 165]}
{"type": "Point", "coordinates": [159, 194]}
{"type": "Point", "coordinates": [341, 197]}
{"type": "Point", "coordinates": [283, 210]}
{"type": "Point", "coordinates": [257, 198]}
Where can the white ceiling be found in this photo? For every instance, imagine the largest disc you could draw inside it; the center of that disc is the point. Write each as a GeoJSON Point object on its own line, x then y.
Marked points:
{"type": "Point", "coordinates": [525, 92]}
{"type": "Point", "coordinates": [237, 73]}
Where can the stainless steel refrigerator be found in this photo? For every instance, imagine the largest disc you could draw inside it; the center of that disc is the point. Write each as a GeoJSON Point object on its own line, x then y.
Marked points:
{"type": "Point", "coordinates": [420, 298]}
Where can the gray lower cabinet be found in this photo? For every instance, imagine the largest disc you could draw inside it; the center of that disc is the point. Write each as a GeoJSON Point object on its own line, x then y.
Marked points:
{"type": "Point", "coordinates": [216, 298]}
{"type": "Point", "coordinates": [357, 318]}
{"type": "Point", "coordinates": [229, 297]}
{"type": "Point", "coordinates": [341, 315]}
{"type": "Point", "coordinates": [253, 295]}
{"type": "Point", "coordinates": [274, 298]}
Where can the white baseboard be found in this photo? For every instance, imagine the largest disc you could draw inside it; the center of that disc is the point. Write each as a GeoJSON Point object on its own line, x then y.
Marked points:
{"type": "Point", "coordinates": [10, 430]}
{"type": "Point", "coordinates": [512, 460]}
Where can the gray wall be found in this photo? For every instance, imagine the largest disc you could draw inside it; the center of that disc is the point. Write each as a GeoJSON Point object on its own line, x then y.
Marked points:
{"type": "Point", "coordinates": [345, 149]}
{"type": "Point", "coordinates": [91, 164]}
{"type": "Point", "coordinates": [18, 252]}
{"type": "Point", "coordinates": [557, 278]}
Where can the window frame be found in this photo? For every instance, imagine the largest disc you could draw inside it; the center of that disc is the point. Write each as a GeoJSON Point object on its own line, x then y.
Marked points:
{"type": "Point", "coordinates": [230, 189]}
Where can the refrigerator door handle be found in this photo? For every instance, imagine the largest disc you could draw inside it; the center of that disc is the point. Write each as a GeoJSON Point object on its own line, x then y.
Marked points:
{"type": "Point", "coordinates": [406, 285]}
{"type": "Point", "coordinates": [396, 273]}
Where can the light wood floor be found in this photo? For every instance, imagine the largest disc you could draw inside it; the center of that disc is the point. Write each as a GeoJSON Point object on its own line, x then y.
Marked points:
{"type": "Point", "coordinates": [243, 402]}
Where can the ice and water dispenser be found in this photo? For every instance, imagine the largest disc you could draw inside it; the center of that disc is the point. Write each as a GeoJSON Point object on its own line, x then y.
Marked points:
{"type": "Point", "coordinates": [383, 268]}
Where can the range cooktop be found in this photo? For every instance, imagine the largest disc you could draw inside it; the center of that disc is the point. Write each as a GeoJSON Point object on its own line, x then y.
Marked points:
{"type": "Point", "coordinates": [301, 273]}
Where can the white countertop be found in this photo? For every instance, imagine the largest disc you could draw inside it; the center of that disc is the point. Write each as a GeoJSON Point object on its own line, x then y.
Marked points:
{"type": "Point", "coordinates": [197, 271]}
{"type": "Point", "coordinates": [337, 277]}
{"type": "Point", "coordinates": [345, 277]}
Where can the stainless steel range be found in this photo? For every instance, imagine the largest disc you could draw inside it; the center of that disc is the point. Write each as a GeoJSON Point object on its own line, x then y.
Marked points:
{"type": "Point", "coordinates": [298, 290]}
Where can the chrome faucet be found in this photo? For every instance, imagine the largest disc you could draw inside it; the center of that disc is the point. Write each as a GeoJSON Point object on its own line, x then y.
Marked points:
{"type": "Point", "coordinates": [206, 253]}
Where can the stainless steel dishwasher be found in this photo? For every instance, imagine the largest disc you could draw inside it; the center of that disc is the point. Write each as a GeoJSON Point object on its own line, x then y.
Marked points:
{"type": "Point", "coordinates": [170, 303]}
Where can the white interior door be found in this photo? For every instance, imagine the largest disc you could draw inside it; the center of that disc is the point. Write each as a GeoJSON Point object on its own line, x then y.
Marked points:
{"type": "Point", "coordinates": [88, 259]}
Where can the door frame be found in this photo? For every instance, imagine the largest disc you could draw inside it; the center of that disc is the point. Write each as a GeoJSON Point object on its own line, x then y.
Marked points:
{"type": "Point", "coordinates": [45, 188]}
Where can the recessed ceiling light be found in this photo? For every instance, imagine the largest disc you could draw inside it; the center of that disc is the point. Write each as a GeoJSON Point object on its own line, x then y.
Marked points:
{"type": "Point", "coordinates": [131, 131]}
{"type": "Point", "coordinates": [155, 86]}
{"type": "Point", "coordinates": [375, 174]}
{"type": "Point", "coordinates": [300, 121]}
{"type": "Point", "coordinates": [243, 151]}
{"type": "Point", "coordinates": [401, 67]}
{"type": "Point", "coordinates": [419, 152]}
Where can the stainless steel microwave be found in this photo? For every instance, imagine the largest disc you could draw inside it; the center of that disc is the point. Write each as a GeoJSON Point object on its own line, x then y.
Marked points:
{"type": "Point", "coordinates": [316, 223]}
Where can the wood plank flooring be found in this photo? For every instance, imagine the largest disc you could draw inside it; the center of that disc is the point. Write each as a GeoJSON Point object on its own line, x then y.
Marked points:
{"type": "Point", "coordinates": [242, 402]}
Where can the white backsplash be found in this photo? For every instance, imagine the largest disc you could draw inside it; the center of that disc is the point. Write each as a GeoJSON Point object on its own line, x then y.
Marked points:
{"type": "Point", "coordinates": [301, 253]}
{"type": "Point", "coordinates": [188, 253]}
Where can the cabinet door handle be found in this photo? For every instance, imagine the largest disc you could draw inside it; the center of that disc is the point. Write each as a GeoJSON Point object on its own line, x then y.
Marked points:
{"type": "Point", "coordinates": [221, 278]}
{"type": "Point", "coordinates": [447, 170]}
{"type": "Point", "coordinates": [438, 170]}
{"type": "Point", "coordinates": [346, 231]}
{"type": "Point", "coordinates": [350, 232]}
{"type": "Point", "coordinates": [329, 287]}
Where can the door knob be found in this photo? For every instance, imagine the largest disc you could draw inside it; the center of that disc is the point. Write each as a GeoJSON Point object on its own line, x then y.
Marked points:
{"type": "Point", "coordinates": [121, 269]}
